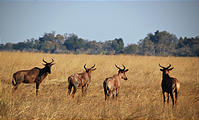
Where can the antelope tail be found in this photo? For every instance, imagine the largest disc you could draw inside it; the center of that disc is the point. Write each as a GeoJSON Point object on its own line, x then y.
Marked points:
{"type": "Point", "coordinates": [69, 80]}
{"type": "Point", "coordinates": [105, 88]}
{"type": "Point", "coordinates": [14, 80]}
{"type": "Point", "coordinates": [177, 87]}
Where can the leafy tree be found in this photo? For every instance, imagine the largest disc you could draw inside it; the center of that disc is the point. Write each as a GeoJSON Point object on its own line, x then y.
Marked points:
{"type": "Point", "coordinates": [59, 39]}
{"type": "Point", "coordinates": [131, 49]}
{"type": "Point", "coordinates": [146, 47]}
{"type": "Point", "coordinates": [118, 45]}
{"type": "Point", "coordinates": [73, 42]}
{"type": "Point", "coordinates": [159, 43]}
{"type": "Point", "coordinates": [1, 46]}
{"type": "Point", "coordinates": [94, 47]}
{"type": "Point", "coordinates": [188, 47]}
{"type": "Point", "coordinates": [115, 46]}
{"type": "Point", "coordinates": [8, 46]}
{"type": "Point", "coordinates": [47, 43]}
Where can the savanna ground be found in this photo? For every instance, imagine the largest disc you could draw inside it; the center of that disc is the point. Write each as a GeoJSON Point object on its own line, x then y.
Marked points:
{"type": "Point", "coordinates": [140, 96]}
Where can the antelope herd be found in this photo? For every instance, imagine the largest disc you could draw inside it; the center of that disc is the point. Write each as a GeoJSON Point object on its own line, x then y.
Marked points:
{"type": "Point", "coordinates": [82, 80]}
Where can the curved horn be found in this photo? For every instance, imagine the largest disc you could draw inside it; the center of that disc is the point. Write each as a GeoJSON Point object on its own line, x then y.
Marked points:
{"type": "Point", "coordinates": [52, 61]}
{"type": "Point", "coordinates": [93, 66]}
{"type": "Point", "coordinates": [169, 66]}
{"type": "Point", "coordinates": [117, 67]}
{"type": "Point", "coordinates": [123, 67]}
{"type": "Point", "coordinates": [85, 67]}
{"type": "Point", "coordinates": [161, 66]}
{"type": "Point", "coordinates": [44, 61]}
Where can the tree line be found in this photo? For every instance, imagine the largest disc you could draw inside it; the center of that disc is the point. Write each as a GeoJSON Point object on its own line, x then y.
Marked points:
{"type": "Point", "coordinates": [154, 44]}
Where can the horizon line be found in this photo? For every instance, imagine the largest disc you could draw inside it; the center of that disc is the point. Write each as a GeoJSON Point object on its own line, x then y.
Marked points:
{"type": "Point", "coordinates": [99, 0]}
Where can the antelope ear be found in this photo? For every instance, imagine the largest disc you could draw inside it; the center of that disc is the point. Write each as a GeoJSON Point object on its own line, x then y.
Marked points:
{"type": "Point", "coordinates": [126, 70]}
{"type": "Point", "coordinates": [161, 69]}
{"type": "Point", "coordinates": [93, 69]}
{"type": "Point", "coordinates": [52, 64]}
{"type": "Point", "coordinates": [171, 68]}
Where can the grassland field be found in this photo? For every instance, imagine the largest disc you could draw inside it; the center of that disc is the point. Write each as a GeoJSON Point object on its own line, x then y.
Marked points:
{"type": "Point", "coordinates": [140, 96]}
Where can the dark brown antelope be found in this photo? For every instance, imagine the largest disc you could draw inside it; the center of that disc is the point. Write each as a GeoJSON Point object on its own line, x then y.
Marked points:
{"type": "Point", "coordinates": [112, 84]}
{"type": "Point", "coordinates": [34, 75]}
{"type": "Point", "coordinates": [169, 84]}
{"type": "Point", "coordinates": [80, 80]}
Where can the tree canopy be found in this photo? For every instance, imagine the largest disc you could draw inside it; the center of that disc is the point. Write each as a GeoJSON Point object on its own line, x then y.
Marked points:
{"type": "Point", "coordinates": [159, 43]}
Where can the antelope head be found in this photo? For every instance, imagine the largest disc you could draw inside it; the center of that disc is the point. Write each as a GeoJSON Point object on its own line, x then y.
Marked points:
{"type": "Point", "coordinates": [48, 65]}
{"type": "Point", "coordinates": [122, 72]}
{"type": "Point", "coordinates": [166, 70]}
{"type": "Point", "coordinates": [89, 69]}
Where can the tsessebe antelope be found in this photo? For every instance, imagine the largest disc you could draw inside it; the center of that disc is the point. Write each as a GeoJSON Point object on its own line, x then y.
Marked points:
{"type": "Point", "coordinates": [169, 84]}
{"type": "Point", "coordinates": [113, 83]}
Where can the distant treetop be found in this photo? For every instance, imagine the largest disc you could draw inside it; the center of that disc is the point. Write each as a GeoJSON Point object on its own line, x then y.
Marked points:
{"type": "Point", "coordinates": [159, 43]}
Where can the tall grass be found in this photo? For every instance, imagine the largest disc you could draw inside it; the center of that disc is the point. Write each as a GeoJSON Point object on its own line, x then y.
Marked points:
{"type": "Point", "coordinates": [140, 96]}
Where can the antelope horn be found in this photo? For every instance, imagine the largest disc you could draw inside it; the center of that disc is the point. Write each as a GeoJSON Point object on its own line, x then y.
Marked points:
{"type": "Point", "coordinates": [93, 66]}
{"type": "Point", "coordinates": [169, 66]}
{"type": "Point", "coordinates": [123, 67]}
{"type": "Point", "coordinates": [117, 67]}
{"type": "Point", "coordinates": [44, 61]}
{"type": "Point", "coordinates": [85, 67]}
{"type": "Point", "coordinates": [161, 66]}
{"type": "Point", "coordinates": [52, 61]}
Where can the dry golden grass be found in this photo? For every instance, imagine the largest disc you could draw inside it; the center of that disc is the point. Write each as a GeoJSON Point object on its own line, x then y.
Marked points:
{"type": "Point", "coordinates": [140, 96]}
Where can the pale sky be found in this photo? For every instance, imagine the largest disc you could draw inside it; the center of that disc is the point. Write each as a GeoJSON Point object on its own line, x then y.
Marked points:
{"type": "Point", "coordinates": [98, 20]}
